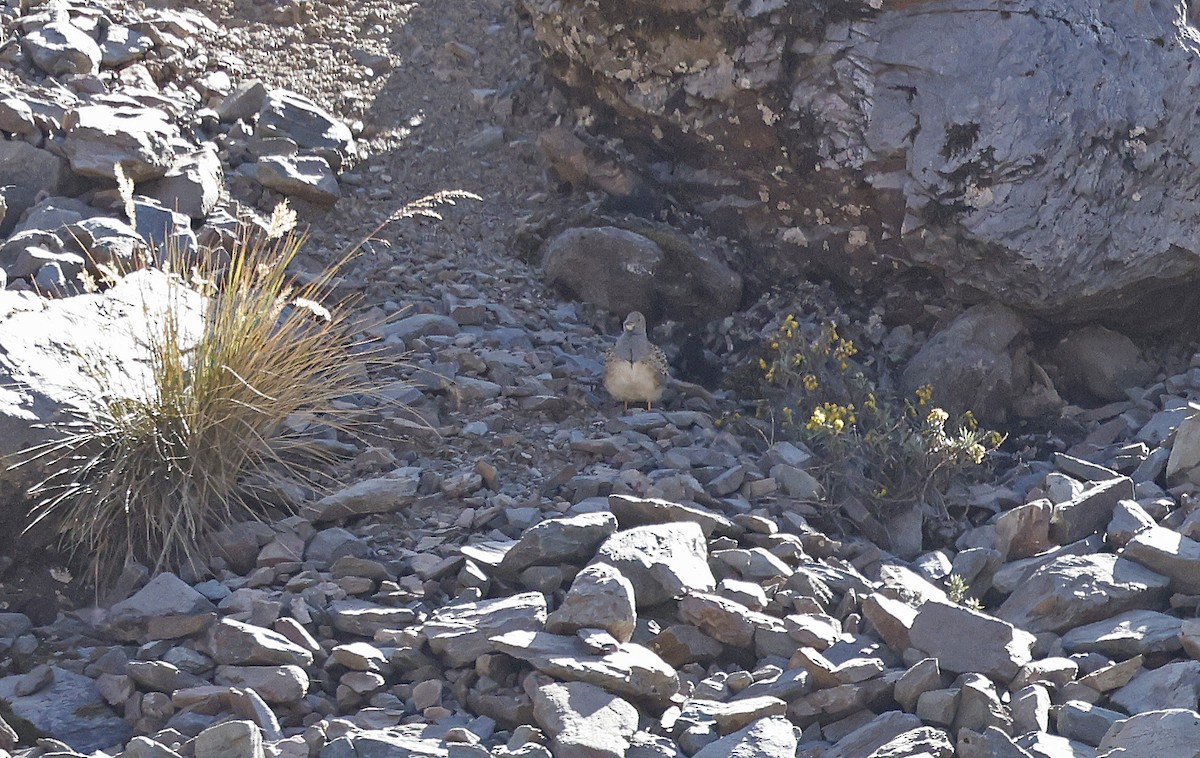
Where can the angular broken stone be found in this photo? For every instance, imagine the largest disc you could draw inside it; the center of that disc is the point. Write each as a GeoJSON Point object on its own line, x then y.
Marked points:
{"type": "Point", "coordinates": [1154, 734]}
{"type": "Point", "coordinates": [1173, 685]}
{"type": "Point", "coordinates": [874, 734]}
{"type": "Point", "coordinates": [920, 742]}
{"type": "Point", "coordinates": [289, 114]}
{"type": "Point", "coordinates": [1089, 512]}
{"type": "Point", "coordinates": [275, 684]}
{"type": "Point", "coordinates": [304, 176]}
{"type": "Point", "coordinates": [964, 640]}
{"type": "Point", "coordinates": [725, 620]}
{"type": "Point", "coordinates": [380, 495]}
{"type": "Point", "coordinates": [366, 618]}
{"type": "Point", "coordinates": [1126, 635]}
{"type": "Point", "coordinates": [461, 633]}
{"type": "Point", "coordinates": [164, 595]}
{"type": "Point", "coordinates": [661, 561]}
{"type": "Point", "coordinates": [1075, 590]}
{"type": "Point", "coordinates": [60, 47]}
{"type": "Point", "coordinates": [1168, 552]}
{"type": "Point", "coordinates": [641, 511]}
{"type": "Point", "coordinates": [599, 598]}
{"type": "Point", "coordinates": [235, 642]}
{"type": "Point", "coordinates": [142, 140]}
{"type": "Point", "coordinates": [584, 720]}
{"type": "Point", "coordinates": [772, 737]}
{"type": "Point", "coordinates": [68, 709]}
{"type": "Point", "coordinates": [630, 671]}
{"type": "Point", "coordinates": [571, 539]}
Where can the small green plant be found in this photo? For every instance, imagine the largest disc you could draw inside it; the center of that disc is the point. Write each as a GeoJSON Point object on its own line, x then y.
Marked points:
{"type": "Point", "coordinates": [148, 475]}
{"type": "Point", "coordinates": [871, 446]}
{"type": "Point", "coordinates": [957, 590]}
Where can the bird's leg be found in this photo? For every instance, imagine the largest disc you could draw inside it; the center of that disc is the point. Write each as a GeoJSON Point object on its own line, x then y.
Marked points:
{"type": "Point", "coordinates": [627, 406]}
{"type": "Point", "coordinates": [649, 405]}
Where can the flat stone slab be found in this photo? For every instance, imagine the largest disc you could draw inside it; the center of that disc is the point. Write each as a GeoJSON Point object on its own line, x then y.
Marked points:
{"type": "Point", "coordinates": [630, 670]}
{"type": "Point", "coordinates": [964, 640]}
{"type": "Point", "coordinates": [1075, 590]}
{"type": "Point", "coordinates": [69, 709]}
{"type": "Point", "coordinates": [1124, 636]}
{"type": "Point", "coordinates": [1168, 552]}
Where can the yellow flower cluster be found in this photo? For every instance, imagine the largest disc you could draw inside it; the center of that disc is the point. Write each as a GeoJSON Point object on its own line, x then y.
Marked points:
{"type": "Point", "coordinates": [831, 417]}
{"type": "Point", "coordinates": [924, 394]}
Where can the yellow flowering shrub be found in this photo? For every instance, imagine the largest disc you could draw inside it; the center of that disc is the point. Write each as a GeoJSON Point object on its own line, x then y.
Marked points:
{"type": "Point", "coordinates": [870, 444]}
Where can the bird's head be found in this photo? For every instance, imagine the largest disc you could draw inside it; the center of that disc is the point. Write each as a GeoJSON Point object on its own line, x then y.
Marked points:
{"type": "Point", "coordinates": [635, 322]}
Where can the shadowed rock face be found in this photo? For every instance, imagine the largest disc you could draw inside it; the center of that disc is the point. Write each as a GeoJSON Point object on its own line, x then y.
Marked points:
{"type": "Point", "coordinates": [1037, 153]}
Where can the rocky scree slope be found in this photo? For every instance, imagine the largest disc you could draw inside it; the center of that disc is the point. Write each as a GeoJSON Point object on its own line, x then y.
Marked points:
{"type": "Point", "coordinates": [543, 579]}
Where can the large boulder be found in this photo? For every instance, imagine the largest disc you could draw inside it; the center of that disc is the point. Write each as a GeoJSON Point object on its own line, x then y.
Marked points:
{"type": "Point", "coordinates": [58, 356]}
{"type": "Point", "coordinates": [1032, 151]}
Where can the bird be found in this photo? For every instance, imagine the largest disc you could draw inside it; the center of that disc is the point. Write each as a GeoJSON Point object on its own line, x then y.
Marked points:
{"type": "Point", "coordinates": [635, 369]}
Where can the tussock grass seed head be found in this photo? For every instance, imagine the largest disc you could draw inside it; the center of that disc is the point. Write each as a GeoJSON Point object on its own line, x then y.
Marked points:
{"type": "Point", "coordinates": [151, 474]}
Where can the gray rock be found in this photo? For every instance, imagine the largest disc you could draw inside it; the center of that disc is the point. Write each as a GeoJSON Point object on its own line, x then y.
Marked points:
{"type": "Point", "coordinates": [142, 140]}
{"type": "Point", "coordinates": [60, 47]}
{"type": "Point", "coordinates": [599, 598]}
{"type": "Point", "coordinates": [144, 747]}
{"type": "Point", "coordinates": [725, 620]}
{"type": "Point", "coordinates": [922, 677]}
{"type": "Point", "coordinates": [161, 676]}
{"type": "Point", "coordinates": [193, 186]}
{"type": "Point", "coordinates": [461, 633]}
{"type": "Point", "coordinates": [68, 709]}
{"type": "Point", "coordinates": [1100, 362]}
{"type": "Point", "coordinates": [964, 640]}
{"type": "Point", "coordinates": [922, 742]}
{"type": "Point", "coordinates": [164, 595]}
{"type": "Point", "coordinates": [384, 494]}
{"type": "Point", "coordinates": [275, 684]}
{"type": "Point", "coordinates": [772, 737]}
{"type": "Point", "coordinates": [611, 268]}
{"type": "Point", "coordinates": [1085, 722]}
{"type": "Point", "coordinates": [979, 706]}
{"type": "Point", "coordinates": [308, 177]}
{"type": "Point", "coordinates": [622, 271]}
{"type": "Point", "coordinates": [661, 561]}
{"type": "Point", "coordinates": [397, 742]}
{"type": "Point", "coordinates": [1024, 531]}
{"type": "Point", "coordinates": [328, 545]}
{"type": "Point", "coordinates": [314, 129]}
{"type": "Point", "coordinates": [1174, 685]}
{"type": "Point", "coordinates": [1183, 465]}
{"type": "Point", "coordinates": [1031, 709]}
{"type": "Point", "coordinates": [1126, 635]}
{"type": "Point", "coordinates": [1090, 511]}
{"type": "Point", "coordinates": [572, 539]}
{"type": "Point", "coordinates": [977, 363]}
{"type": "Point", "coordinates": [1170, 553]}
{"type": "Point", "coordinates": [990, 743]}
{"type": "Point", "coordinates": [244, 102]}
{"type": "Point", "coordinates": [874, 734]}
{"type": "Point", "coordinates": [629, 671]}
{"type": "Point", "coordinates": [42, 379]}
{"type": "Point", "coordinates": [122, 45]}
{"type": "Point", "coordinates": [583, 720]}
{"type": "Point", "coordinates": [1153, 734]}
{"type": "Point", "coordinates": [1075, 590]}
{"type": "Point", "coordinates": [27, 171]}
{"type": "Point", "coordinates": [366, 618]}
{"type": "Point", "coordinates": [642, 511]}
{"type": "Point", "coordinates": [235, 642]}
{"type": "Point", "coordinates": [240, 739]}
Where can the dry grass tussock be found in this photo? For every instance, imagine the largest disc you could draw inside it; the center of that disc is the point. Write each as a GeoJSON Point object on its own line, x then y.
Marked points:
{"type": "Point", "coordinates": [251, 398]}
